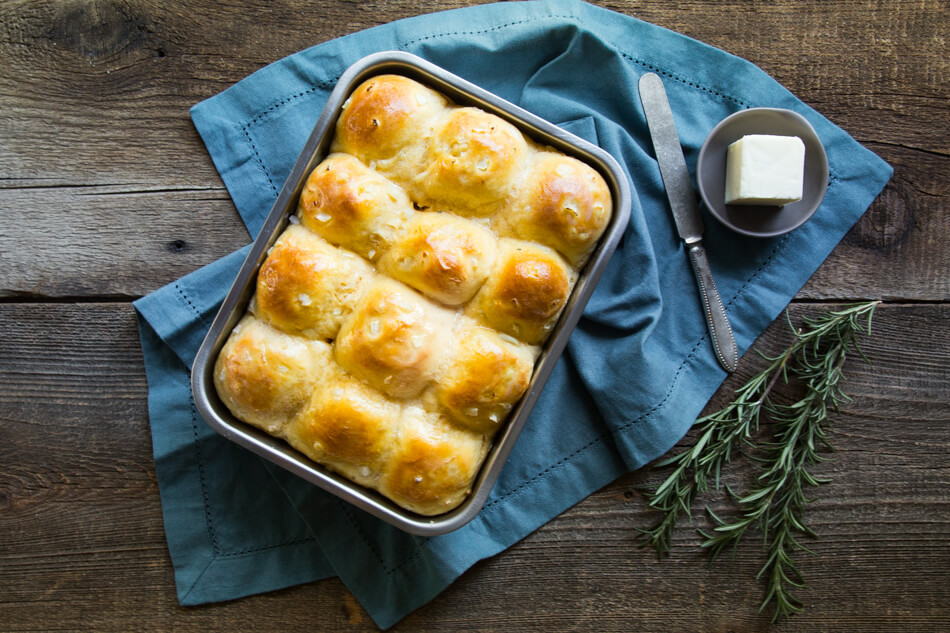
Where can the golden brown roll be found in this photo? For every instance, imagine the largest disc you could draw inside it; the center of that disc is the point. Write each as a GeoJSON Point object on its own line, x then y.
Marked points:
{"type": "Point", "coordinates": [351, 205]}
{"type": "Point", "coordinates": [564, 204]}
{"type": "Point", "coordinates": [443, 256]}
{"type": "Point", "coordinates": [384, 115]}
{"type": "Point", "coordinates": [484, 378]}
{"type": "Point", "coordinates": [526, 291]}
{"type": "Point", "coordinates": [432, 342]}
{"type": "Point", "coordinates": [433, 464]}
{"type": "Point", "coordinates": [394, 339]}
{"type": "Point", "coordinates": [265, 376]}
{"type": "Point", "coordinates": [472, 162]}
{"type": "Point", "coordinates": [347, 426]}
{"type": "Point", "coordinates": [308, 286]}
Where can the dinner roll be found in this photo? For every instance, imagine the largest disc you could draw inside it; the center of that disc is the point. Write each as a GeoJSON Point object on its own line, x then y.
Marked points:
{"type": "Point", "coordinates": [308, 286]}
{"type": "Point", "coordinates": [351, 205]}
{"type": "Point", "coordinates": [486, 375]}
{"type": "Point", "coordinates": [347, 426]}
{"type": "Point", "coordinates": [394, 339]}
{"type": "Point", "coordinates": [472, 162]}
{"type": "Point", "coordinates": [443, 256]}
{"type": "Point", "coordinates": [564, 204]}
{"type": "Point", "coordinates": [265, 376]}
{"type": "Point", "coordinates": [525, 292]}
{"type": "Point", "coordinates": [384, 115]}
{"type": "Point", "coordinates": [393, 330]}
{"type": "Point", "coordinates": [433, 463]}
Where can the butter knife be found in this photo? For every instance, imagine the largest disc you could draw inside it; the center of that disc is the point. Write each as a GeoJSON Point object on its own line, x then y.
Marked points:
{"type": "Point", "coordinates": [689, 224]}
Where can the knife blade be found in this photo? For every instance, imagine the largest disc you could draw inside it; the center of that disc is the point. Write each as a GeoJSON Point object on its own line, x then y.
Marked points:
{"type": "Point", "coordinates": [689, 223]}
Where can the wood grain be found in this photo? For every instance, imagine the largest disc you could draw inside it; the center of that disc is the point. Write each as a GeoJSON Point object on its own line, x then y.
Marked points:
{"type": "Point", "coordinates": [95, 99]}
{"type": "Point", "coordinates": [84, 543]}
{"type": "Point", "coordinates": [107, 193]}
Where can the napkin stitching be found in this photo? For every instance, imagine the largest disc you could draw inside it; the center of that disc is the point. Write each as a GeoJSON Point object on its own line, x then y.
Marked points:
{"type": "Point", "coordinates": [321, 85]}
{"type": "Point", "coordinates": [260, 162]}
{"type": "Point", "coordinates": [832, 180]}
{"type": "Point", "coordinates": [405, 562]}
{"type": "Point", "coordinates": [183, 298]}
{"type": "Point", "coordinates": [273, 107]}
{"type": "Point", "coordinates": [569, 16]}
{"type": "Point", "coordinates": [682, 80]}
{"type": "Point", "coordinates": [580, 22]}
{"type": "Point", "coordinates": [326, 84]}
{"type": "Point", "coordinates": [758, 271]}
{"type": "Point", "coordinates": [603, 435]}
{"type": "Point", "coordinates": [387, 569]}
{"type": "Point", "coordinates": [209, 521]}
{"type": "Point", "coordinates": [362, 534]}
{"type": "Point", "coordinates": [252, 550]}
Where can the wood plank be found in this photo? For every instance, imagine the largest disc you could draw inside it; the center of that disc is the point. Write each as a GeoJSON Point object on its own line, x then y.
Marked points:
{"type": "Point", "coordinates": [94, 99]}
{"type": "Point", "coordinates": [894, 251]}
{"type": "Point", "coordinates": [118, 241]}
{"type": "Point", "coordinates": [116, 79]}
{"type": "Point", "coordinates": [83, 545]}
{"type": "Point", "coordinates": [876, 69]}
{"type": "Point", "coordinates": [129, 239]}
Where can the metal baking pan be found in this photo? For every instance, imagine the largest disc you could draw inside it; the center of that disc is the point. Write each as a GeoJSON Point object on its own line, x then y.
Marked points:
{"type": "Point", "coordinates": [235, 304]}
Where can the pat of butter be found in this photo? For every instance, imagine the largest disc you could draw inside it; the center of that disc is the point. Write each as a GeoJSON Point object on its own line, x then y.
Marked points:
{"type": "Point", "coordinates": [765, 169]}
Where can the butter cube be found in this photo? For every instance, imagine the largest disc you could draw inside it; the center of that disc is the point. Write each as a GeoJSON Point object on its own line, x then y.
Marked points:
{"type": "Point", "coordinates": [765, 169]}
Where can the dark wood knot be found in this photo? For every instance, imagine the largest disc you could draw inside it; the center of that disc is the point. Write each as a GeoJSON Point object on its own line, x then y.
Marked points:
{"type": "Point", "coordinates": [104, 29]}
{"type": "Point", "coordinates": [887, 222]}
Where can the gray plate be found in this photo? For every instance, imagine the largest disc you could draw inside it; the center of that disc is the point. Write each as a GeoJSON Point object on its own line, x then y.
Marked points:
{"type": "Point", "coordinates": [235, 304]}
{"type": "Point", "coordinates": [754, 220]}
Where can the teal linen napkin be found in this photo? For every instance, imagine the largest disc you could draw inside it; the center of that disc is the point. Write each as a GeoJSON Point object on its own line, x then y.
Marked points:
{"type": "Point", "coordinates": [637, 371]}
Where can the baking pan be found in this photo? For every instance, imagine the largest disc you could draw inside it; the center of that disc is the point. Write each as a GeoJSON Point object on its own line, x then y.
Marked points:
{"type": "Point", "coordinates": [235, 304]}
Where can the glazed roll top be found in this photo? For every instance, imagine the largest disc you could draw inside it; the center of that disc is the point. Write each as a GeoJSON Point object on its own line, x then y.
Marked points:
{"type": "Point", "coordinates": [433, 463]}
{"type": "Point", "coordinates": [565, 204]}
{"type": "Point", "coordinates": [347, 425]}
{"type": "Point", "coordinates": [396, 322]}
{"type": "Point", "coordinates": [384, 115]}
{"type": "Point", "coordinates": [394, 339]}
{"type": "Point", "coordinates": [265, 376]}
{"type": "Point", "coordinates": [308, 286]}
{"type": "Point", "coordinates": [525, 292]}
{"type": "Point", "coordinates": [442, 256]}
{"type": "Point", "coordinates": [484, 378]}
{"type": "Point", "coordinates": [472, 163]}
{"type": "Point", "coordinates": [353, 206]}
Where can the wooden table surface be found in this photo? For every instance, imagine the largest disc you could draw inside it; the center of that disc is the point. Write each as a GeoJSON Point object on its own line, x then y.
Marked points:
{"type": "Point", "coordinates": [107, 193]}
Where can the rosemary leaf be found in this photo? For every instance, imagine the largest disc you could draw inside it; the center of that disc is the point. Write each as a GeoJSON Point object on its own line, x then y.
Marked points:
{"type": "Point", "coordinates": [775, 506]}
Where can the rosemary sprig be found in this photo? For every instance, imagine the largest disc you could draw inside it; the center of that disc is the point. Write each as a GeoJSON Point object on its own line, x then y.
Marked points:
{"type": "Point", "coordinates": [775, 506]}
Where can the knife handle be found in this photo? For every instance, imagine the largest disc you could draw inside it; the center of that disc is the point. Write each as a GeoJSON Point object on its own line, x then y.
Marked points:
{"type": "Point", "coordinates": [723, 340]}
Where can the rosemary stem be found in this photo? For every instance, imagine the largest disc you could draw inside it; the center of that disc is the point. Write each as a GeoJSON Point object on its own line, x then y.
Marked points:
{"type": "Point", "coordinates": [776, 503]}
